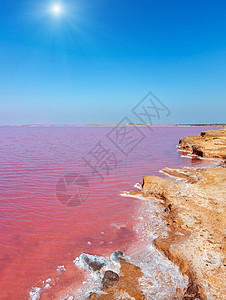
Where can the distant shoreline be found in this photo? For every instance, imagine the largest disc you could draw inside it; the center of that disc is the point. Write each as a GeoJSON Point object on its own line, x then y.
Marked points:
{"type": "Point", "coordinates": [111, 125]}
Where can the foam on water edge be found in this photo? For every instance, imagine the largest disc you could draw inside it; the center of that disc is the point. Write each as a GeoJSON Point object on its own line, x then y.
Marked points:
{"type": "Point", "coordinates": [156, 268]}
{"type": "Point", "coordinates": [154, 265]}
{"type": "Point", "coordinates": [138, 186]}
{"type": "Point", "coordinates": [164, 275]}
{"type": "Point", "coordinates": [190, 155]}
{"type": "Point", "coordinates": [173, 176]}
{"type": "Point", "coordinates": [35, 292]}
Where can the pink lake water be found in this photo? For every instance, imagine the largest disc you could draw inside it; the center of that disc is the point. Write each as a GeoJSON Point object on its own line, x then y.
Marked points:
{"type": "Point", "coordinates": [46, 220]}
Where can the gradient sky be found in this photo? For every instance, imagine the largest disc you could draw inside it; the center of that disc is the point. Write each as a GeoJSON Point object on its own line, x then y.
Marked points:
{"type": "Point", "coordinates": [97, 60]}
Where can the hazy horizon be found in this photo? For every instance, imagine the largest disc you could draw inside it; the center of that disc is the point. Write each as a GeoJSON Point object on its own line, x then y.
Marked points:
{"type": "Point", "coordinates": [136, 124]}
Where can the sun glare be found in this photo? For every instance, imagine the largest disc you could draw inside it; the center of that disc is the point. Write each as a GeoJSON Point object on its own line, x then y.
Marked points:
{"type": "Point", "coordinates": [57, 9]}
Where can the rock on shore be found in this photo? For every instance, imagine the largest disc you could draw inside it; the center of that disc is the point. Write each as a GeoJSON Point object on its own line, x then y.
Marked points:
{"type": "Point", "coordinates": [196, 217]}
{"type": "Point", "coordinates": [211, 143]}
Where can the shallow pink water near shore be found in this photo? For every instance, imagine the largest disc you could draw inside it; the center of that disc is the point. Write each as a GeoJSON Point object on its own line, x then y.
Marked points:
{"type": "Point", "coordinates": [40, 231]}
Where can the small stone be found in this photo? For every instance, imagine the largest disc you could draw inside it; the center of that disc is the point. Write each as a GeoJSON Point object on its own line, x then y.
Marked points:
{"type": "Point", "coordinates": [95, 263]}
{"type": "Point", "coordinates": [110, 278]}
{"type": "Point", "coordinates": [117, 255]}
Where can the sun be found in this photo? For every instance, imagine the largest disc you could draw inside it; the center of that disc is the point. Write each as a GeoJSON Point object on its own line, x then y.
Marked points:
{"type": "Point", "coordinates": [57, 9]}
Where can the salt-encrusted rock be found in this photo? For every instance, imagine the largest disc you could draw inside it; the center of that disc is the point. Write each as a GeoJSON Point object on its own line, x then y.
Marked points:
{"type": "Point", "coordinates": [110, 278]}
{"type": "Point", "coordinates": [124, 286]}
{"type": "Point", "coordinates": [117, 255]}
{"type": "Point", "coordinates": [91, 262]}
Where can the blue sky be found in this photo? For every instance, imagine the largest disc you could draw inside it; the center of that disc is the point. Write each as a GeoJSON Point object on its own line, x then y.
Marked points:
{"type": "Point", "coordinates": [97, 60]}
